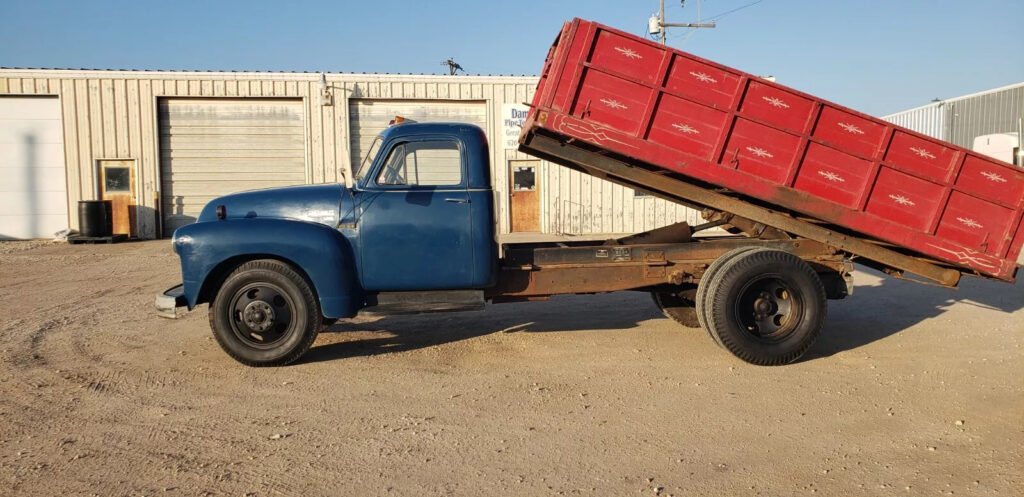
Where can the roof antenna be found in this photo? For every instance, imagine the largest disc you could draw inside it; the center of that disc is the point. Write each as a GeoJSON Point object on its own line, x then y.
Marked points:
{"type": "Point", "coordinates": [453, 66]}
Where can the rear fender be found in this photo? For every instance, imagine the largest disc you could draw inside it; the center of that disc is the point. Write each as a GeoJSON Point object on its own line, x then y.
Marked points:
{"type": "Point", "coordinates": [210, 250]}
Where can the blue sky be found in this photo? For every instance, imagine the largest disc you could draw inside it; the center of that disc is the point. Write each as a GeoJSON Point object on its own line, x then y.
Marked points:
{"type": "Point", "coordinates": [876, 56]}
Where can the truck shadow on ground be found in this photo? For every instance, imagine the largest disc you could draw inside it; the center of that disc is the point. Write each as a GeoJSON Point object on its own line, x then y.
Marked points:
{"type": "Point", "coordinates": [876, 311]}
{"type": "Point", "coordinates": [880, 307]}
{"type": "Point", "coordinates": [614, 311]}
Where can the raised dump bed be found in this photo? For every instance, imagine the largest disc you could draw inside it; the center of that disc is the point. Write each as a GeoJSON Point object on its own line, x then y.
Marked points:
{"type": "Point", "coordinates": [624, 96]}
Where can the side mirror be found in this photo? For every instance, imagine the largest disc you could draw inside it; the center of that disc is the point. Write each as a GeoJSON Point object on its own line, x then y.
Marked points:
{"type": "Point", "coordinates": [343, 178]}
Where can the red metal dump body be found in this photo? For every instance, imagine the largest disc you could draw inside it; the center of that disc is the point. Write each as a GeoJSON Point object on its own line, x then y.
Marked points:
{"type": "Point", "coordinates": [692, 116]}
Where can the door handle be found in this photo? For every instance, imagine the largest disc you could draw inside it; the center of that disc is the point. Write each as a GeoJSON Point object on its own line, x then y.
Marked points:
{"type": "Point", "coordinates": [457, 200]}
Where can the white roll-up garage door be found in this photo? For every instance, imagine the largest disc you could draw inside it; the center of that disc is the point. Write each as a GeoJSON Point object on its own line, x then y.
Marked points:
{"type": "Point", "coordinates": [33, 195]}
{"type": "Point", "coordinates": [210, 148]}
{"type": "Point", "coordinates": [368, 117]}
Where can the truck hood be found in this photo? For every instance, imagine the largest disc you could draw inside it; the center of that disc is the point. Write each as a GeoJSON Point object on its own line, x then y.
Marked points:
{"type": "Point", "coordinates": [311, 203]}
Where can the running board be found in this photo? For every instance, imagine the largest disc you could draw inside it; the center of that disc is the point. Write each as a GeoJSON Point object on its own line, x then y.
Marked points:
{"type": "Point", "coordinates": [399, 303]}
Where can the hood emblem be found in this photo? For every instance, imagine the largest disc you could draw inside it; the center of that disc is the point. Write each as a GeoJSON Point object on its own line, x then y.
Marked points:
{"type": "Point", "coordinates": [319, 215]}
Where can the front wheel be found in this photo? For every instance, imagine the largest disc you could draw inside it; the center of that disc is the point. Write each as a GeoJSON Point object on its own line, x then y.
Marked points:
{"type": "Point", "coordinates": [265, 314]}
{"type": "Point", "coordinates": [767, 307]}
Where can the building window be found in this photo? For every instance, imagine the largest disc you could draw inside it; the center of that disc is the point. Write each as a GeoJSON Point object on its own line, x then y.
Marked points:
{"type": "Point", "coordinates": [117, 179]}
{"type": "Point", "coordinates": [524, 178]}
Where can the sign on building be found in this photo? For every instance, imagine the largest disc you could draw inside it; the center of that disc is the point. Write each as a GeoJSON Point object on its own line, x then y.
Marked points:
{"type": "Point", "coordinates": [513, 116]}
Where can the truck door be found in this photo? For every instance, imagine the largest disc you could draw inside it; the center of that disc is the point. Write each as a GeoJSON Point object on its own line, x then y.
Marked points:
{"type": "Point", "coordinates": [415, 228]}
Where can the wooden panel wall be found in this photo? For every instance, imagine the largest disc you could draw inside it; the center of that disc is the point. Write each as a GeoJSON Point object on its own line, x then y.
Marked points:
{"type": "Point", "coordinates": [112, 115]}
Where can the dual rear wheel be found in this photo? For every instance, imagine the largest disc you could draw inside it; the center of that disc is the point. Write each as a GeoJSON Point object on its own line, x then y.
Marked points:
{"type": "Point", "coordinates": [766, 307]}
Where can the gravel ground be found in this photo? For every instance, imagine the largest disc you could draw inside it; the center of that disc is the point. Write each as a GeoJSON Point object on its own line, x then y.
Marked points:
{"type": "Point", "coordinates": [911, 390]}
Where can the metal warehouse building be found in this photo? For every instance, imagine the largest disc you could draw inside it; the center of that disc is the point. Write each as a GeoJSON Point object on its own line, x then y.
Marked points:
{"type": "Point", "coordinates": [160, 145]}
{"type": "Point", "coordinates": [989, 122]}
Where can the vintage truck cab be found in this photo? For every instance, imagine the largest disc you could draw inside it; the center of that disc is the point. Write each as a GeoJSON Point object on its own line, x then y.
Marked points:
{"type": "Point", "coordinates": [415, 232]}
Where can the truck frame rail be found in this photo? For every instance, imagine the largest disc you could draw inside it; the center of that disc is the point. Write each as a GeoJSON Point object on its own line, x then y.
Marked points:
{"type": "Point", "coordinates": [531, 272]}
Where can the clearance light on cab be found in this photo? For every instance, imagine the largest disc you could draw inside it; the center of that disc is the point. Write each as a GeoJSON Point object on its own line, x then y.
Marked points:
{"type": "Point", "coordinates": [400, 120]}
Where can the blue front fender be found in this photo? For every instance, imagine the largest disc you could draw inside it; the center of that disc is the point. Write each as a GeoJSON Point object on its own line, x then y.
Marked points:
{"type": "Point", "coordinates": [321, 252]}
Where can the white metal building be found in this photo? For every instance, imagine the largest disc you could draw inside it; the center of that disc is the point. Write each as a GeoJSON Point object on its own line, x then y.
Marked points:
{"type": "Point", "coordinates": [989, 121]}
{"type": "Point", "coordinates": [165, 143]}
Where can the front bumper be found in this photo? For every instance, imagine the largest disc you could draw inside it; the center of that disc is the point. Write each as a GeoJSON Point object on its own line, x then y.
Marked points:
{"type": "Point", "coordinates": [168, 302]}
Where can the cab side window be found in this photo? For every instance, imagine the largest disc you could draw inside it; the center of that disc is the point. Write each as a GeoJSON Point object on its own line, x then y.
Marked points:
{"type": "Point", "coordinates": [423, 163]}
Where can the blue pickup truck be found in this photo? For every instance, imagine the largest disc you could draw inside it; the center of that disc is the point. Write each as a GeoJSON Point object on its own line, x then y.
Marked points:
{"type": "Point", "coordinates": [416, 233]}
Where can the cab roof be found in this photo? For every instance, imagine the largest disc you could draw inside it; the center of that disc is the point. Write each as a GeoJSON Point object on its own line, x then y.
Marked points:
{"type": "Point", "coordinates": [408, 129]}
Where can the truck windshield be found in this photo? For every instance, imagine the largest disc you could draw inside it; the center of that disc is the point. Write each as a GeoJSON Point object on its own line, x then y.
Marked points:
{"type": "Point", "coordinates": [364, 166]}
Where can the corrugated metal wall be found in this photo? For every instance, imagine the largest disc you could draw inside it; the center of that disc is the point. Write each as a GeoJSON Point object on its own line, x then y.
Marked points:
{"type": "Point", "coordinates": [960, 120]}
{"type": "Point", "coordinates": [576, 203]}
{"type": "Point", "coordinates": [113, 114]}
{"type": "Point", "coordinates": [996, 112]}
{"type": "Point", "coordinates": [928, 119]}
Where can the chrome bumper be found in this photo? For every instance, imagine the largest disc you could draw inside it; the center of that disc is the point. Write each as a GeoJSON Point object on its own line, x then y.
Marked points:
{"type": "Point", "coordinates": [168, 302]}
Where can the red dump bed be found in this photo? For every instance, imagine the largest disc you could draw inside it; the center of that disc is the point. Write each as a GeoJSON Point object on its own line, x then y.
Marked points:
{"type": "Point", "coordinates": [714, 123]}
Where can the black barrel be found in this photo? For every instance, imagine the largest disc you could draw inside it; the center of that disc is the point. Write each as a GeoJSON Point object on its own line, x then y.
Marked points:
{"type": "Point", "coordinates": [94, 218]}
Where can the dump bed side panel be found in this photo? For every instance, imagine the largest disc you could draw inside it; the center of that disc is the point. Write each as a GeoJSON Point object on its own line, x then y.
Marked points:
{"type": "Point", "coordinates": [720, 125]}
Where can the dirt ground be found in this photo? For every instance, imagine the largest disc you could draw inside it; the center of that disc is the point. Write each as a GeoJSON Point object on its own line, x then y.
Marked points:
{"type": "Point", "coordinates": [911, 390]}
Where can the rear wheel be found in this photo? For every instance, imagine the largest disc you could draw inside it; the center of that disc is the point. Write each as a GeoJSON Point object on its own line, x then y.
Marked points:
{"type": "Point", "coordinates": [265, 314]}
{"type": "Point", "coordinates": [767, 307]}
{"type": "Point", "coordinates": [678, 305]}
{"type": "Point", "coordinates": [700, 302]}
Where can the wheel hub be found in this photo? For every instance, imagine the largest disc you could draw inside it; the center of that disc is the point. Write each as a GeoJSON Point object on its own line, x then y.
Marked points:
{"type": "Point", "coordinates": [765, 305]}
{"type": "Point", "coordinates": [261, 314]}
{"type": "Point", "coordinates": [258, 316]}
{"type": "Point", "coordinates": [766, 308]}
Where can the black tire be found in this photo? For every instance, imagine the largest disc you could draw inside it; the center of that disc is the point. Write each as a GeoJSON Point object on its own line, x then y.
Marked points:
{"type": "Point", "coordinates": [677, 307]}
{"type": "Point", "coordinates": [701, 302]}
{"type": "Point", "coordinates": [767, 307]}
{"type": "Point", "coordinates": [265, 314]}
